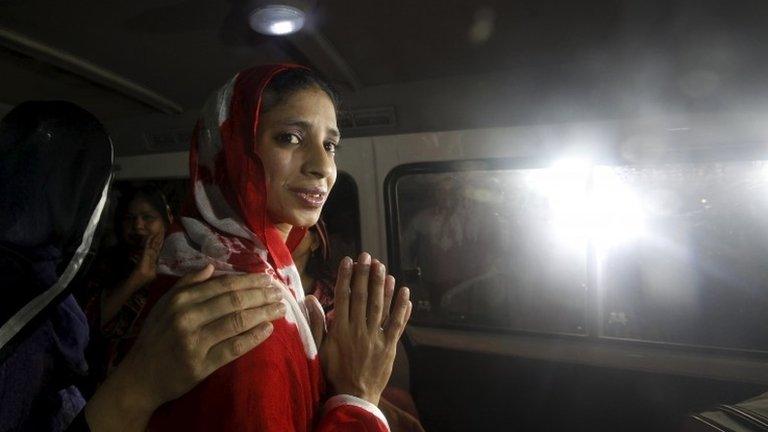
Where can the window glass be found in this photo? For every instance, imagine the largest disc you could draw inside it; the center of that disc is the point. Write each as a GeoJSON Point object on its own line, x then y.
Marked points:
{"type": "Point", "coordinates": [692, 265]}
{"type": "Point", "coordinates": [341, 215]}
{"type": "Point", "coordinates": [478, 248]}
{"type": "Point", "coordinates": [676, 253]}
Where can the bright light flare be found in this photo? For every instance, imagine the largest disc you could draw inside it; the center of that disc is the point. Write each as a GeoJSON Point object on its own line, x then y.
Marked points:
{"type": "Point", "coordinates": [618, 212]}
{"type": "Point", "coordinates": [564, 186]}
{"type": "Point", "coordinates": [589, 203]}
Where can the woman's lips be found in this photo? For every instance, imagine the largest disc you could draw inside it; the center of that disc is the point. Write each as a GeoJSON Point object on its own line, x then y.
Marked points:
{"type": "Point", "coordinates": [312, 198]}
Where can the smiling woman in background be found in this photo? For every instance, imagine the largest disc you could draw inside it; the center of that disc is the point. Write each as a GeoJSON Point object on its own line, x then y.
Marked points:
{"type": "Point", "coordinates": [118, 282]}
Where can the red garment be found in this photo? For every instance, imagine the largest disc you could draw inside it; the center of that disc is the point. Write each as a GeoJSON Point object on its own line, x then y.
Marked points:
{"type": "Point", "coordinates": [278, 386]}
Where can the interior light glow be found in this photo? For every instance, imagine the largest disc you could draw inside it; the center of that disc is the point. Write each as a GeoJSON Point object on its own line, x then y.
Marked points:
{"type": "Point", "coordinates": [282, 28]}
{"type": "Point", "coordinates": [276, 19]}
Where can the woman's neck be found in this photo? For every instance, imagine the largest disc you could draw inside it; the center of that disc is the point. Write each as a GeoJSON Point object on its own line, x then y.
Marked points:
{"type": "Point", "coordinates": [285, 230]}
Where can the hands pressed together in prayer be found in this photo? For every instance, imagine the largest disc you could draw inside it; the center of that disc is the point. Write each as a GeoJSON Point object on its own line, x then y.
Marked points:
{"type": "Point", "coordinates": [358, 350]}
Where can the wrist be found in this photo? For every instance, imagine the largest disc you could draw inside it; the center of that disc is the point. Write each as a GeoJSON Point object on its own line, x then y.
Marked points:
{"type": "Point", "coordinates": [138, 279]}
{"type": "Point", "coordinates": [123, 402]}
{"type": "Point", "coordinates": [368, 396]}
{"type": "Point", "coordinates": [349, 400]}
{"type": "Point", "coordinates": [372, 398]}
{"type": "Point", "coordinates": [140, 395]}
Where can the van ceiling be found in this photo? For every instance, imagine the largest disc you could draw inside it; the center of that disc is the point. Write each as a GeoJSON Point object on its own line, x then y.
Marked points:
{"type": "Point", "coordinates": [442, 64]}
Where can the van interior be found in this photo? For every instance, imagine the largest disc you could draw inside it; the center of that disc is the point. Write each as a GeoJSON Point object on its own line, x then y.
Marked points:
{"type": "Point", "coordinates": [575, 192]}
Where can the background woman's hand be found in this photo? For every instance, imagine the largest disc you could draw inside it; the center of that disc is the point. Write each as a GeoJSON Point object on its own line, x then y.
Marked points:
{"type": "Point", "coordinates": [358, 352]}
{"type": "Point", "coordinates": [144, 272]}
{"type": "Point", "coordinates": [197, 327]}
{"type": "Point", "coordinates": [146, 269]}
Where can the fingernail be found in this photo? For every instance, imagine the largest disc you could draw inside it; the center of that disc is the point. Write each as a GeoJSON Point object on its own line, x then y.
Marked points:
{"type": "Point", "coordinates": [346, 263]}
{"type": "Point", "coordinates": [267, 329]}
{"type": "Point", "coordinates": [381, 269]}
{"type": "Point", "coordinates": [406, 292]}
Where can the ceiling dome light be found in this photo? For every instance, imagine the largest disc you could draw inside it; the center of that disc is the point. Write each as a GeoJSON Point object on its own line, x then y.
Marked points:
{"type": "Point", "coordinates": [276, 19]}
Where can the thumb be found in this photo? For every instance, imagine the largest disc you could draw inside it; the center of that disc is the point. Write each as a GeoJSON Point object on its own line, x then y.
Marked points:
{"type": "Point", "coordinates": [196, 277]}
{"type": "Point", "coordinates": [316, 319]}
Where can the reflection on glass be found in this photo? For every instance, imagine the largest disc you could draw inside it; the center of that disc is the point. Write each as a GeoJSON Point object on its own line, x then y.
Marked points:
{"type": "Point", "coordinates": [697, 273]}
{"type": "Point", "coordinates": [678, 252]}
{"type": "Point", "coordinates": [484, 245]}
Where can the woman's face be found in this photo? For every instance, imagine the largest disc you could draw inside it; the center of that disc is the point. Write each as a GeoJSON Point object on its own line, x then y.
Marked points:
{"type": "Point", "coordinates": [296, 142]}
{"type": "Point", "coordinates": [141, 221]}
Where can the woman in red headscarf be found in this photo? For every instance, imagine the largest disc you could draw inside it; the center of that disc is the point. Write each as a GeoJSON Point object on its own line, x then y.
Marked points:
{"type": "Point", "coordinates": [261, 166]}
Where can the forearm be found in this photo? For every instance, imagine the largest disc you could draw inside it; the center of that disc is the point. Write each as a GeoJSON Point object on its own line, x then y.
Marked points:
{"type": "Point", "coordinates": [115, 298]}
{"type": "Point", "coordinates": [121, 403]}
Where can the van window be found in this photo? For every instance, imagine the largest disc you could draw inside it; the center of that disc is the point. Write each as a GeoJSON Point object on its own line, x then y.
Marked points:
{"type": "Point", "coordinates": [670, 253]}
{"type": "Point", "coordinates": [341, 214]}
{"type": "Point", "coordinates": [477, 249]}
{"type": "Point", "coordinates": [695, 268]}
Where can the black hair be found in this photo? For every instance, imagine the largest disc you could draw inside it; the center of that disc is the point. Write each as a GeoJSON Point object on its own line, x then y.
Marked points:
{"type": "Point", "coordinates": [148, 192]}
{"type": "Point", "coordinates": [288, 82]}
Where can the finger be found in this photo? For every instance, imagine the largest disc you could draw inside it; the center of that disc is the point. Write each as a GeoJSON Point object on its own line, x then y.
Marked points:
{"type": "Point", "coordinates": [316, 319]}
{"type": "Point", "coordinates": [149, 250]}
{"type": "Point", "coordinates": [376, 295]}
{"type": "Point", "coordinates": [359, 296]}
{"type": "Point", "coordinates": [399, 315]}
{"type": "Point", "coordinates": [389, 291]}
{"type": "Point", "coordinates": [195, 278]}
{"type": "Point", "coordinates": [224, 284]}
{"type": "Point", "coordinates": [234, 301]}
{"type": "Point", "coordinates": [341, 291]}
{"type": "Point", "coordinates": [234, 347]}
{"type": "Point", "coordinates": [239, 322]}
{"type": "Point", "coordinates": [157, 242]}
{"type": "Point", "coordinates": [146, 249]}
{"type": "Point", "coordinates": [407, 318]}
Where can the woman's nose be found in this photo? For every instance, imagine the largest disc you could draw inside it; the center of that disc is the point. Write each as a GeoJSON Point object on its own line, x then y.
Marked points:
{"type": "Point", "coordinates": [320, 162]}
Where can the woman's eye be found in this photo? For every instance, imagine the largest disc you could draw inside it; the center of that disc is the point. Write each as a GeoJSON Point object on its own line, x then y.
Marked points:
{"type": "Point", "coordinates": [289, 138]}
{"type": "Point", "coordinates": [331, 147]}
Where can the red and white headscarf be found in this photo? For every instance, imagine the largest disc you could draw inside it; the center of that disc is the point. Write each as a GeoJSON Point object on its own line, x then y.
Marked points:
{"type": "Point", "coordinates": [225, 220]}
